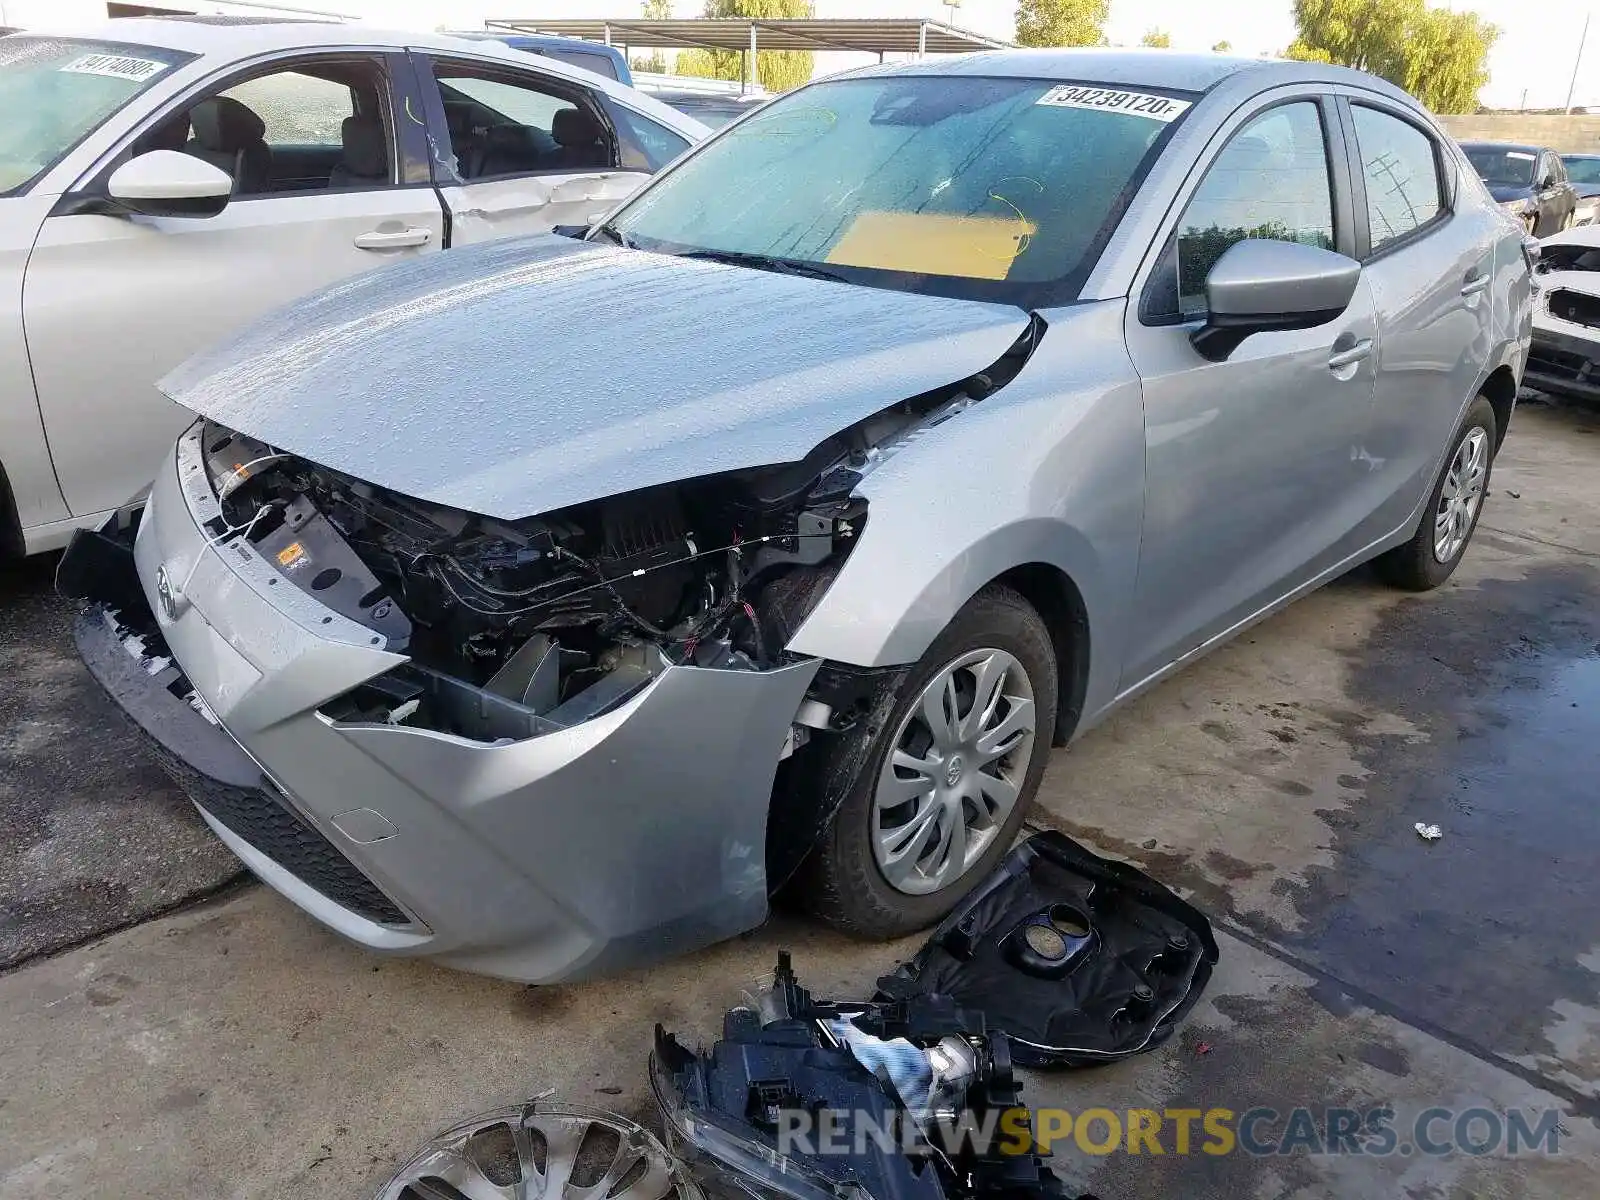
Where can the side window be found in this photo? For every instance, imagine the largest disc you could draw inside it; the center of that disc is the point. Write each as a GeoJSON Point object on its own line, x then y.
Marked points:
{"type": "Point", "coordinates": [518, 124]}
{"type": "Point", "coordinates": [297, 109]}
{"type": "Point", "coordinates": [1401, 172]}
{"type": "Point", "coordinates": [644, 144]}
{"type": "Point", "coordinates": [1270, 181]}
{"type": "Point", "coordinates": [314, 127]}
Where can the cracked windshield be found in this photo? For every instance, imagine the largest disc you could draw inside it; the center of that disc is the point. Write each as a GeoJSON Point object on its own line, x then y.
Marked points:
{"type": "Point", "coordinates": [54, 91]}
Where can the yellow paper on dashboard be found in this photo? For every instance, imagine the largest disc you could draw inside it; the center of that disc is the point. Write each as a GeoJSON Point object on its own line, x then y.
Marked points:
{"type": "Point", "coordinates": [974, 247]}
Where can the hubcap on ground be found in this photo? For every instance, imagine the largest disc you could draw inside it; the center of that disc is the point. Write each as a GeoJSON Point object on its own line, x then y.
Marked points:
{"type": "Point", "coordinates": [954, 769]}
{"type": "Point", "coordinates": [1461, 495]}
{"type": "Point", "coordinates": [540, 1151]}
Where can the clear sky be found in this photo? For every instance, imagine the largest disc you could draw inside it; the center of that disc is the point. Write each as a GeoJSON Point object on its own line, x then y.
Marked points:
{"type": "Point", "coordinates": [1538, 40]}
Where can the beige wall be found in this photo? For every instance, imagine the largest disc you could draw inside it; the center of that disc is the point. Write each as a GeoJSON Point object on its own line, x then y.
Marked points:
{"type": "Point", "coordinates": [1569, 134]}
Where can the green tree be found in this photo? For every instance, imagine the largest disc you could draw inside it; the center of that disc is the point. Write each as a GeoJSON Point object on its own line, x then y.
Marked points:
{"type": "Point", "coordinates": [654, 10]}
{"type": "Point", "coordinates": [1222, 47]}
{"type": "Point", "coordinates": [1158, 39]}
{"type": "Point", "coordinates": [1061, 22]}
{"type": "Point", "coordinates": [1439, 56]}
{"type": "Point", "coordinates": [777, 70]}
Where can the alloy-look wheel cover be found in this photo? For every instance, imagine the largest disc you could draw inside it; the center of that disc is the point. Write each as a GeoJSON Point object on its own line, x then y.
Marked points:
{"type": "Point", "coordinates": [541, 1151]}
{"type": "Point", "coordinates": [954, 771]}
{"type": "Point", "coordinates": [1461, 495]}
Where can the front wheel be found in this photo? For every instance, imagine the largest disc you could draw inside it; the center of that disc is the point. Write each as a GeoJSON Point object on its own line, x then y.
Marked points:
{"type": "Point", "coordinates": [1454, 506]}
{"type": "Point", "coordinates": [935, 784]}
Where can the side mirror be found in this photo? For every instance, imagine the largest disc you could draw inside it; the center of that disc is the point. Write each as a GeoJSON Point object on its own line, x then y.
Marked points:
{"type": "Point", "coordinates": [1262, 286]}
{"type": "Point", "coordinates": [1548, 182]}
{"type": "Point", "coordinates": [169, 183]}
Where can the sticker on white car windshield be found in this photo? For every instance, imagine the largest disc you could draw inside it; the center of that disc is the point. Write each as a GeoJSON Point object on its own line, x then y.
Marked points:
{"type": "Point", "coordinates": [1521, 155]}
{"type": "Point", "coordinates": [118, 66]}
{"type": "Point", "coordinates": [1136, 104]}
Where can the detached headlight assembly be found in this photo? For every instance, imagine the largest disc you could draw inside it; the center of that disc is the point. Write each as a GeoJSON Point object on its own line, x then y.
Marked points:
{"type": "Point", "coordinates": [728, 1164]}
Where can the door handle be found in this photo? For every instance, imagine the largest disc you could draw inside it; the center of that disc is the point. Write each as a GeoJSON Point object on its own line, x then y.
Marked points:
{"type": "Point", "coordinates": [1475, 284]}
{"type": "Point", "coordinates": [1352, 352]}
{"type": "Point", "coordinates": [394, 239]}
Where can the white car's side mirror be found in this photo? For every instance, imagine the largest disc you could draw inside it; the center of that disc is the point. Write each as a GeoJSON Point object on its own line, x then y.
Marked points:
{"type": "Point", "coordinates": [169, 183]}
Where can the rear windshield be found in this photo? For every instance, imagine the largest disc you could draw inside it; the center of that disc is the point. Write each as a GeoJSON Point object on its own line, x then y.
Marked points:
{"type": "Point", "coordinates": [1507, 167]}
{"type": "Point", "coordinates": [56, 91]}
{"type": "Point", "coordinates": [977, 188]}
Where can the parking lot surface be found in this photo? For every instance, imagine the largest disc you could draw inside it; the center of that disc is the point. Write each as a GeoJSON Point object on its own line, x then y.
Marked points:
{"type": "Point", "coordinates": [235, 1049]}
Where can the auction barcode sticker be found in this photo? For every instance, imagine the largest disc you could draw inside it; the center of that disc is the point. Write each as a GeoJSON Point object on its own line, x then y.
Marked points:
{"type": "Point", "coordinates": [1137, 104]}
{"type": "Point", "coordinates": [135, 70]}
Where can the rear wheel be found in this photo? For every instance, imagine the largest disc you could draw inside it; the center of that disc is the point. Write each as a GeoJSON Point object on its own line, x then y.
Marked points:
{"type": "Point", "coordinates": [937, 782]}
{"type": "Point", "coordinates": [1454, 506]}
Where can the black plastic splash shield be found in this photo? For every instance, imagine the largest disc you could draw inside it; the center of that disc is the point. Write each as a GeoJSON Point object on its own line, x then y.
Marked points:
{"type": "Point", "coordinates": [1077, 958]}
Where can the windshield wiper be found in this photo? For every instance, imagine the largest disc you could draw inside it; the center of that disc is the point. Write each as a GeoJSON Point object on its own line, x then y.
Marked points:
{"type": "Point", "coordinates": [764, 262]}
{"type": "Point", "coordinates": [612, 234]}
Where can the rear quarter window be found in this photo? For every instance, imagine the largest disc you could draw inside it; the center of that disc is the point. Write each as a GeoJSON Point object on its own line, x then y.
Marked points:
{"type": "Point", "coordinates": [600, 64]}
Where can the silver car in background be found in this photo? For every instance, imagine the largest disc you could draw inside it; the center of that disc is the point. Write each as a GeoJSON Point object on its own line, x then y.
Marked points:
{"type": "Point", "coordinates": [547, 605]}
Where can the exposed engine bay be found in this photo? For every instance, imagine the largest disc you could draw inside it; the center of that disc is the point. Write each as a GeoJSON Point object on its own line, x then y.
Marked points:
{"type": "Point", "coordinates": [1573, 255]}
{"type": "Point", "coordinates": [540, 611]}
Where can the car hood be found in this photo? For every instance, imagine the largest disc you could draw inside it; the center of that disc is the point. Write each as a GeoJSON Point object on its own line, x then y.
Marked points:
{"type": "Point", "coordinates": [1504, 192]}
{"type": "Point", "coordinates": [525, 375]}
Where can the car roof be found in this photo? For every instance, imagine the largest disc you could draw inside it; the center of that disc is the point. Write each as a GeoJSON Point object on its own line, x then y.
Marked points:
{"type": "Point", "coordinates": [236, 37]}
{"type": "Point", "coordinates": [1168, 69]}
{"type": "Point", "coordinates": [1577, 154]}
{"type": "Point", "coordinates": [1488, 145]}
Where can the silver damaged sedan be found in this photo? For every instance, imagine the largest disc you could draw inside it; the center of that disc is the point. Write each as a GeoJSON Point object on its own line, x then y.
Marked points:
{"type": "Point", "coordinates": [547, 606]}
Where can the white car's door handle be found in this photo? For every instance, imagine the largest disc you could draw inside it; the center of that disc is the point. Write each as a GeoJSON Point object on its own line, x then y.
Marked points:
{"type": "Point", "coordinates": [394, 239]}
{"type": "Point", "coordinates": [1352, 353]}
{"type": "Point", "coordinates": [1475, 284]}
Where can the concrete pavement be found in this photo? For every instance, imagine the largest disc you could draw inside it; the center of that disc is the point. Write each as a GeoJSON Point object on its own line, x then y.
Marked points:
{"type": "Point", "coordinates": [238, 1050]}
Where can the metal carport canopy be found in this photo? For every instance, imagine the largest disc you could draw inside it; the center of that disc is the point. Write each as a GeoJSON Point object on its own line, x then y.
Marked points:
{"type": "Point", "coordinates": [871, 36]}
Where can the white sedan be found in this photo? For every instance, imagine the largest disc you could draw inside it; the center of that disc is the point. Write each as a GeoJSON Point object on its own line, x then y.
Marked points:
{"type": "Point", "coordinates": [163, 182]}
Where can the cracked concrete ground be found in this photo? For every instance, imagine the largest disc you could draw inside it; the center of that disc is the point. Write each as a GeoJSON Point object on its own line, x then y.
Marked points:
{"type": "Point", "coordinates": [235, 1049]}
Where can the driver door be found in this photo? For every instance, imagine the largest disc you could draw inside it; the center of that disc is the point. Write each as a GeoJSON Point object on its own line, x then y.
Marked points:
{"type": "Point", "coordinates": [112, 303]}
{"type": "Point", "coordinates": [1250, 463]}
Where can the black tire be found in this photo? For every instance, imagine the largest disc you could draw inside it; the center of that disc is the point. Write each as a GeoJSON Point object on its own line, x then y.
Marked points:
{"type": "Point", "coordinates": [841, 882]}
{"type": "Point", "coordinates": [1413, 565]}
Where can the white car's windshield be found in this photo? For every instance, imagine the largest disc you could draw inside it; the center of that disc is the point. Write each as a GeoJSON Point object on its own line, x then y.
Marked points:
{"type": "Point", "coordinates": [995, 189]}
{"type": "Point", "coordinates": [53, 91]}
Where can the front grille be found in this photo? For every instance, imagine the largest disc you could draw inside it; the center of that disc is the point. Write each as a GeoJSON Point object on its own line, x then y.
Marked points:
{"type": "Point", "coordinates": [267, 822]}
{"type": "Point", "coordinates": [1575, 307]}
{"type": "Point", "coordinates": [1562, 364]}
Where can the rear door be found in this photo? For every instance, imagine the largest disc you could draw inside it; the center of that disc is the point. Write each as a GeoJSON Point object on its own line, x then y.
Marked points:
{"type": "Point", "coordinates": [518, 151]}
{"type": "Point", "coordinates": [1429, 259]}
{"type": "Point", "coordinates": [112, 303]}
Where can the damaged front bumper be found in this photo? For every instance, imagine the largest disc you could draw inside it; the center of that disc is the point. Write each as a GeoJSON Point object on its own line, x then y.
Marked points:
{"type": "Point", "coordinates": [1564, 354]}
{"type": "Point", "coordinates": [632, 836]}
